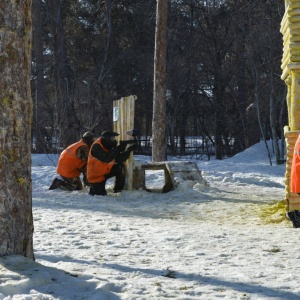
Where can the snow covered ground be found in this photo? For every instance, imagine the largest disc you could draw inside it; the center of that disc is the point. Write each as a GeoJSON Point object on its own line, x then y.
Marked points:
{"type": "Point", "coordinates": [227, 239]}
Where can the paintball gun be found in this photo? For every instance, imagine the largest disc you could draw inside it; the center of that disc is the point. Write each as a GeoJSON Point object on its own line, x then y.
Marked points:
{"type": "Point", "coordinates": [134, 133]}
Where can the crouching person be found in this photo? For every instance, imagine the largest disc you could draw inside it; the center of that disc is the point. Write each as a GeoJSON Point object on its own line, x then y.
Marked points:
{"type": "Point", "coordinates": [72, 162]}
{"type": "Point", "coordinates": [106, 160]}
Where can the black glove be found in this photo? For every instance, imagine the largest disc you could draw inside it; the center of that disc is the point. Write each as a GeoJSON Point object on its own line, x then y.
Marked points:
{"type": "Point", "coordinates": [122, 157]}
{"type": "Point", "coordinates": [132, 147]}
{"type": "Point", "coordinates": [121, 147]}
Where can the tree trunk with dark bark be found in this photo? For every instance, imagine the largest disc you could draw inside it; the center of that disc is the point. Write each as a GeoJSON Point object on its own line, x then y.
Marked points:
{"type": "Point", "coordinates": [39, 86]}
{"type": "Point", "coordinates": [16, 223]}
{"type": "Point", "coordinates": [69, 124]}
{"type": "Point", "coordinates": [159, 94]}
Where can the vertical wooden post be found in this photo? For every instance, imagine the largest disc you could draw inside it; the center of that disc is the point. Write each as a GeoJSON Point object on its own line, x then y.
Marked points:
{"type": "Point", "coordinates": [290, 29]}
{"type": "Point", "coordinates": [123, 120]}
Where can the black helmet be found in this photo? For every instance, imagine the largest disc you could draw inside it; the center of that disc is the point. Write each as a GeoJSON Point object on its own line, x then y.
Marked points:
{"type": "Point", "coordinates": [109, 134]}
{"type": "Point", "coordinates": [88, 137]}
{"type": "Point", "coordinates": [108, 139]}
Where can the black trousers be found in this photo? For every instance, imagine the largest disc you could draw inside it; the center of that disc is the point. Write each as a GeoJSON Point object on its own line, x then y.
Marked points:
{"type": "Point", "coordinates": [118, 171]}
{"type": "Point", "coordinates": [69, 184]}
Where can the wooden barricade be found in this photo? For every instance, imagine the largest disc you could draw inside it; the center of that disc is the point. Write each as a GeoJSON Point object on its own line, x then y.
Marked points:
{"type": "Point", "coordinates": [290, 29]}
{"type": "Point", "coordinates": [174, 171]}
{"type": "Point", "coordinates": [123, 120]}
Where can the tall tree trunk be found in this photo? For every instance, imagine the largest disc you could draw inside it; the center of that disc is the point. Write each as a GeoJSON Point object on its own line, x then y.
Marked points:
{"type": "Point", "coordinates": [273, 115]}
{"type": "Point", "coordinates": [69, 123]}
{"type": "Point", "coordinates": [106, 12]}
{"type": "Point", "coordinates": [16, 223]}
{"type": "Point", "coordinates": [38, 50]}
{"type": "Point", "coordinates": [159, 93]}
{"type": "Point", "coordinates": [240, 116]}
{"type": "Point", "coordinates": [218, 116]}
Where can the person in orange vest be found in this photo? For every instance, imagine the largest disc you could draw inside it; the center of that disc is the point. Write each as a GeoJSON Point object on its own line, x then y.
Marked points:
{"type": "Point", "coordinates": [295, 169]}
{"type": "Point", "coordinates": [72, 163]}
{"type": "Point", "coordinates": [106, 160]}
{"type": "Point", "coordinates": [294, 215]}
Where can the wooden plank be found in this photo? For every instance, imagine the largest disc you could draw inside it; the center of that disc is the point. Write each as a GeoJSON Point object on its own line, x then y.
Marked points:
{"type": "Point", "coordinates": [294, 207]}
{"type": "Point", "coordinates": [168, 182]}
{"type": "Point", "coordinates": [173, 172]}
{"type": "Point", "coordinates": [183, 171]}
{"type": "Point", "coordinates": [154, 166]}
{"type": "Point", "coordinates": [123, 121]}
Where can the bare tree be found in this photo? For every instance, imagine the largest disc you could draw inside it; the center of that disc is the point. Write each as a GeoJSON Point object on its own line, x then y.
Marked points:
{"type": "Point", "coordinates": [64, 76]}
{"type": "Point", "coordinates": [159, 93]}
{"type": "Point", "coordinates": [16, 223]}
{"type": "Point", "coordinates": [39, 88]}
{"type": "Point", "coordinates": [275, 100]}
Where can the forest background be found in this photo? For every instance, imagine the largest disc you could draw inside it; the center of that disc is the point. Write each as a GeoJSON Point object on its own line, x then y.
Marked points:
{"type": "Point", "coordinates": [223, 72]}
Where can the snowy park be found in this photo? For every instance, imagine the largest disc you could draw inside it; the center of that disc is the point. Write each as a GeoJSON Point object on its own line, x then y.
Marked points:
{"type": "Point", "coordinates": [224, 238]}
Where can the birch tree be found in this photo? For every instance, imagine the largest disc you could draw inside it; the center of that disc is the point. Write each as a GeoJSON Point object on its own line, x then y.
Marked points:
{"type": "Point", "coordinates": [16, 223]}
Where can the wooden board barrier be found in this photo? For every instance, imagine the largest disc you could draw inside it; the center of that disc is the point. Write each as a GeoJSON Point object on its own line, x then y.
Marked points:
{"type": "Point", "coordinates": [174, 172]}
{"type": "Point", "coordinates": [123, 119]}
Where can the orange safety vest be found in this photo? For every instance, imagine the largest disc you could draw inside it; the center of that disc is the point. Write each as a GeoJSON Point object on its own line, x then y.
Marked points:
{"type": "Point", "coordinates": [96, 169]}
{"type": "Point", "coordinates": [295, 169]}
{"type": "Point", "coordinates": [69, 164]}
